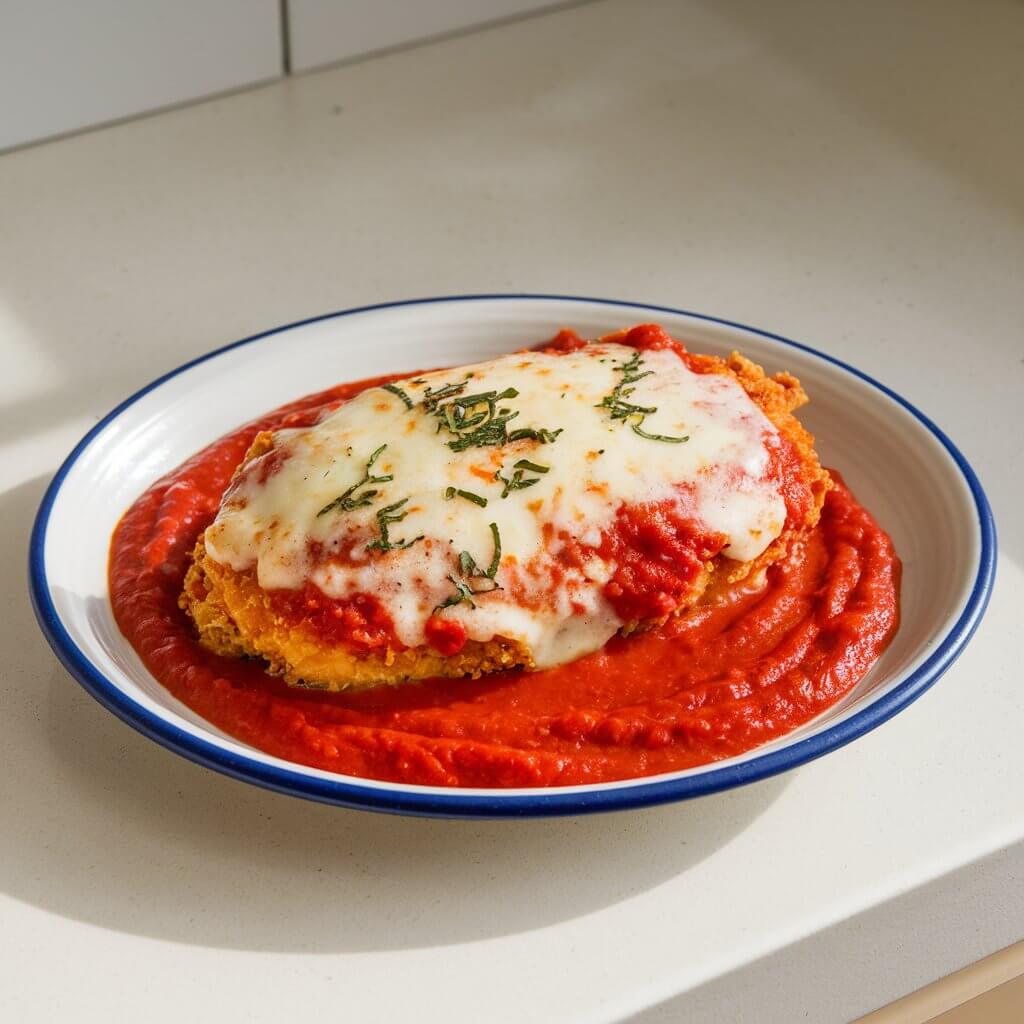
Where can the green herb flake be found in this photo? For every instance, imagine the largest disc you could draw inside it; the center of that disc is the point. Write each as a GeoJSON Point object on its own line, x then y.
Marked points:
{"type": "Point", "coordinates": [492, 569]}
{"type": "Point", "coordinates": [355, 497]}
{"type": "Point", "coordinates": [462, 593]}
{"type": "Point", "coordinates": [386, 517]}
{"type": "Point", "coordinates": [469, 570]}
{"type": "Point", "coordinates": [396, 390]}
{"type": "Point", "coordinates": [622, 410]}
{"type": "Point", "coordinates": [529, 434]}
{"type": "Point", "coordinates": [478, 420]}
{"type": "Point", "coordinates": [519, 481]}
{"type": "Point", "coordinates": [476, 499]}
{"type": "Point", "coordinates": [638, 429]}
{"type": "Point", "coordinates": [467, 563]}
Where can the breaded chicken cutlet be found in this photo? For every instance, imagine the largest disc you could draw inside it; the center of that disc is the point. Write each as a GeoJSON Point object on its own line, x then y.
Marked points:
{"type": "Point", "coordinates": [515, 513]}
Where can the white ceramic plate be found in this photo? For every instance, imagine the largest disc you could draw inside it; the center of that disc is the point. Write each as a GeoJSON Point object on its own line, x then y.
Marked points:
{"type": "Point", "coordinates": [904, 469]}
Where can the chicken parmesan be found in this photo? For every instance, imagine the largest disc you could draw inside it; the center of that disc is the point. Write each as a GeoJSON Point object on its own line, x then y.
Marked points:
{"type": "Point", "coordinates": [511, 514]}
{"type": "Point", "coordinates": [656, 561]}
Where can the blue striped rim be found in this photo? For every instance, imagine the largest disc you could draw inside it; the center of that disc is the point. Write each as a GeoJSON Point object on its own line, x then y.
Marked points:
{"type": "Point", "coordinates": [545, 802]}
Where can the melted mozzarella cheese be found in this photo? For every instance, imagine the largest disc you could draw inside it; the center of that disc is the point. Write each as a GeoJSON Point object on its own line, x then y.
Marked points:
{"type": "Point", "coordinates": [271, 521]}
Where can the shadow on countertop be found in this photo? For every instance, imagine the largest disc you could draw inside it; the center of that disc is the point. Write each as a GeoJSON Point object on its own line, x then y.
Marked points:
{"type": "Point", "coordinates": [103, 826]}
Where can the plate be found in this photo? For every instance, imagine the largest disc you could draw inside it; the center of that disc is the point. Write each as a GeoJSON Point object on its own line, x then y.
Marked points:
{"type": "Point", "coordinates": [897, 461]}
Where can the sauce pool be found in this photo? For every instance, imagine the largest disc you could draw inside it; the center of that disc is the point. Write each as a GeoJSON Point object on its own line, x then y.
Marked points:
{"type": "Point", "coordinates": [748, 664]}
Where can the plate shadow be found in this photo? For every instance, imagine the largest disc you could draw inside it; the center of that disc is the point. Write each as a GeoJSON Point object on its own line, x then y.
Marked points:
{"type": "Point", "coordinates": [107, 827]}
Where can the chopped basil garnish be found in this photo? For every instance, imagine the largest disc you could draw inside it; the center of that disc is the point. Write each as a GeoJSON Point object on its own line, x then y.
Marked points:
{"type": "Point", "coordinates": [462, 593]}
{"type": "Point", "coordinates": [638, 429]}
{"type": "Point", "coordinates": [385, 517]}
{"type": "Point", "coordinates": [477, 420]}
{"type": "Point", "coordinates": [629, 412]}
{"type": "Point", "coordinates": [470, 570]}
{"type": "Point", "coordinates": [396, 390]}
{"type": "Point", "coordinates": [451, 492]}
{"type": "Point", "coordinates": [467, 563]}
{"type": "Point", "coordinates": [355, 497]}
{"type": "Point", "coordinates": [492, 569]}
{"type": "Point", "coordinates": [529, 434]}
{"type": "Point", "coordinates": [519, 481]}
{"type": "Point", "coordinates": [350, 499]}
{"type": "Point", "coordinates": [431, 397]}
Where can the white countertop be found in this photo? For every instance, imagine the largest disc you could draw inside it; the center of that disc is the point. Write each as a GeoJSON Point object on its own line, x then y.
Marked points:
{"type": "Point", "coordinates": [851, 178]}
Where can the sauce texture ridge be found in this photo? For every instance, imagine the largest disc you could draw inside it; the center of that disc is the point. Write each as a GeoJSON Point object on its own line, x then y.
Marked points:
{"type": "Point", "coordinates": [754, 658]}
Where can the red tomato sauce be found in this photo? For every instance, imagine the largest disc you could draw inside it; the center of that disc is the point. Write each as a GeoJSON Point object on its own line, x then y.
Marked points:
{"type": "Point", "coordinates": [746, 665]}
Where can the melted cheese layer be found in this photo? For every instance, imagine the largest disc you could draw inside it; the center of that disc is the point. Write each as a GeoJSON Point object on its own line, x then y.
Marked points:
{"type": "Point", "coordinates": [270, 519]}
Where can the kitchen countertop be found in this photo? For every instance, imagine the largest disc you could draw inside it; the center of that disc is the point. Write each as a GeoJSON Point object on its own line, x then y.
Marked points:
{"type": "Point", "coordinates": [848, 177]}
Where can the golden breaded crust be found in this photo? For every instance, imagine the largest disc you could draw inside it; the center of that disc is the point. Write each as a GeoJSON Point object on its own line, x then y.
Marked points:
{"type": "Point", "coordinates": [778, 397]}
{"type": "Point", "coordinates": [235, 617]}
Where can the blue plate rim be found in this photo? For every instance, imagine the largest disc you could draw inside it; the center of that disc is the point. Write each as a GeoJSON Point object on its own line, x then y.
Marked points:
{"type": "Point", "coordinates": [544, 802]}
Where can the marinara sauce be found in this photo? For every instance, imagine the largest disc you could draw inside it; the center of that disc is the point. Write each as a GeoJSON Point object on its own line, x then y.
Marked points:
{"type": "Point", "coordinates": [749, 663]}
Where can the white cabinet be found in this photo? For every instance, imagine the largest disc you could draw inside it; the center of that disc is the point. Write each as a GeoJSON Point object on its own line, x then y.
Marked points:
{"type": "Point", "coordinates": [323, 31]}
{"type": "Point", "coordinates": [67, 64]}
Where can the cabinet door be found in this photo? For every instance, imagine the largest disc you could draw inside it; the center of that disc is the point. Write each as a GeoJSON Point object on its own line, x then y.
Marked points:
{"type": "Point", "coordinates": [323, 31]}
{"type": "Point", "coordinates": [68, 64]}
